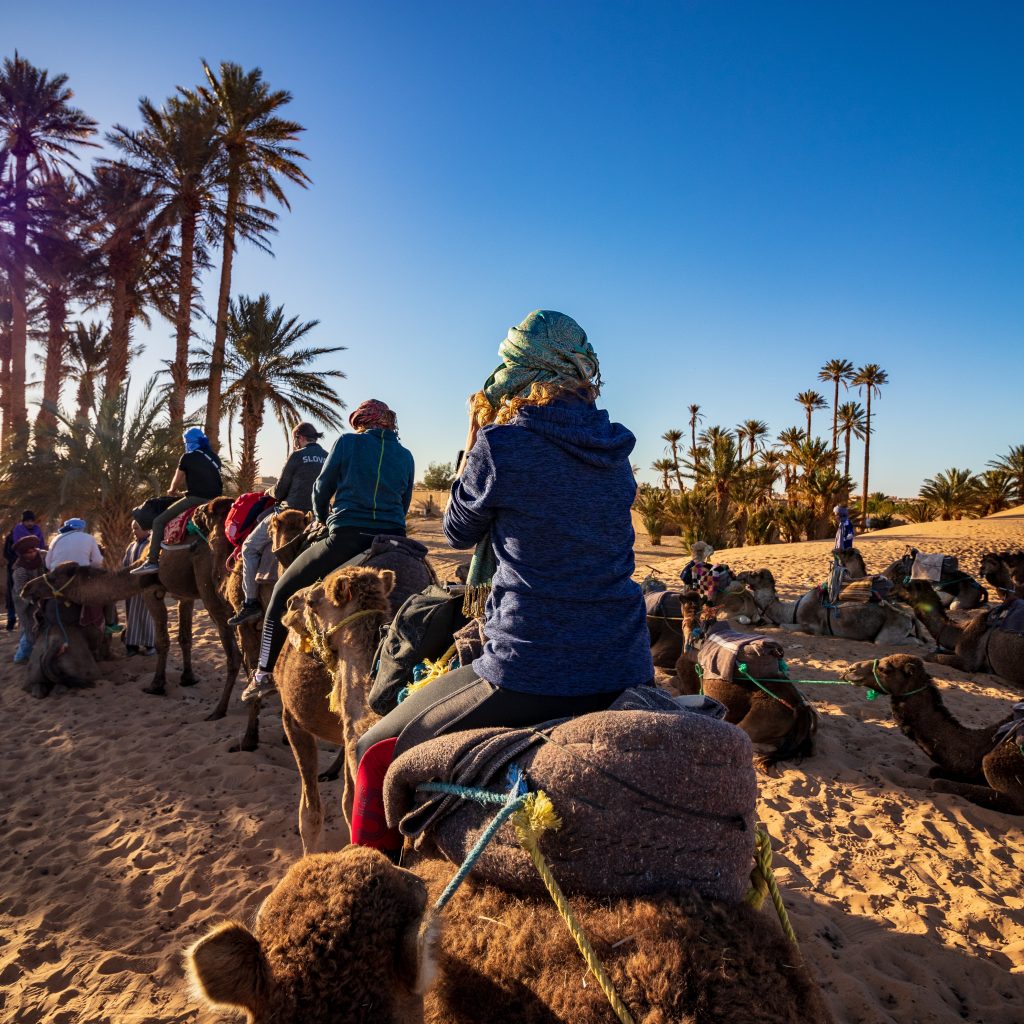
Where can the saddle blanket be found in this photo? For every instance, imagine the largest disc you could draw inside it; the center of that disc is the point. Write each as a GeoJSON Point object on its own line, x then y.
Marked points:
{"type": "Point", "coordinates": [930, 567]}
{"type": "Point", "coordinates": [176, 531]}
{"type": "Point", "coordinates": [1009, 616]}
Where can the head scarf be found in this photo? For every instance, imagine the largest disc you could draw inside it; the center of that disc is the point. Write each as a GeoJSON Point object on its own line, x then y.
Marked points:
{"type": "Point", "coordinates": [842, 511]}
{"type": "Point", "coordinates": [72, 524]}
{"type": "Point", "coordinates": [195, 440]}
{"type": "Point", "coordinates": [547, 347]}
{"type": "Point", "coordinates": [27, 550]}
{"type": "Point", "coordinates": [373, 415]}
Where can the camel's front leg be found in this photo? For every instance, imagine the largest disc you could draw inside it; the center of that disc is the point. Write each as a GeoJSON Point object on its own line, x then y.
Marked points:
{"type": "Point", "coordinates": [219, 612]}
{"type": "Point", "coordinates": [154, 599]}
{"type": "Point", "coordinates": [952, 660]}
{"type": "Point", "coordinates": [311, 814]}
{"type": "Point", "coordinates": [185, 609]}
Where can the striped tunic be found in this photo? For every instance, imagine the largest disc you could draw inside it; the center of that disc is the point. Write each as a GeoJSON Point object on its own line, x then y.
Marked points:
{"type": "Point", "coordinates": [140, 632]}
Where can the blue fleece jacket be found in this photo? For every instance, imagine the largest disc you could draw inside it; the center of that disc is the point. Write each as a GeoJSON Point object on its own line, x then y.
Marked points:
{"type": "Point", "coordinates": [370, 477]}
{"type": "Point", "coordinates": [555, 489]}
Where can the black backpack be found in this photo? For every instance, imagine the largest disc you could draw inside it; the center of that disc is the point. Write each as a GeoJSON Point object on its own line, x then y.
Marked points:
{"type": "Point", "coordinates": [149, 510]}
{"type": "Point", "coordinates": [422, 629]}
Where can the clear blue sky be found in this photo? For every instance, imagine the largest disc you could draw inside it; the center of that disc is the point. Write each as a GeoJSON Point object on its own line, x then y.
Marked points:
{"type": "Point", "coordinates": [725, 195]}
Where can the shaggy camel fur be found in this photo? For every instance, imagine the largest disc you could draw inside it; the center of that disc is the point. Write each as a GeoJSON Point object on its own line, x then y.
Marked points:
{"type": "Point", "coordinates": [959, 593]}
{"type": "Point", "coordinates": [323, 616]}
{"type": "Point", "coordinates": [964, 757]}
{"type": "Point", "coordinates": [1004, 570]}
{"type": "Point", "coordinates": [881, 623]}
{"type": "Point", "coordinates": [347, 937]}
{"type": "Point", "coordinates": [64, 652]}
{"type": "Point", "coordinates": [977, 646]}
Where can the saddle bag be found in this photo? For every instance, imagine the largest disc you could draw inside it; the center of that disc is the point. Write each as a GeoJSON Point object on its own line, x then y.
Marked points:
{"type": "Point", "coordinates": [423, 628]}
{"type": "Point", "coordinates": [724, 650]}
{"type": "Point", "coordinates": [145, 513]}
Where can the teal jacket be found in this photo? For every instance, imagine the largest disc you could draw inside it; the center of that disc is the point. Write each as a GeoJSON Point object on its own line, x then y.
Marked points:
{"type": "Point", "coordinates": [370, 478]}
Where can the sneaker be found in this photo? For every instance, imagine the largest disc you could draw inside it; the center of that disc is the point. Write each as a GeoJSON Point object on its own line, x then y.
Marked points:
{"type": "Point", "coordinates": [250, 610]}
{"type": "Point", "coordinates": [113, 628]}
{"type": "Point", "coordinates": [149, 652]}
{"type": "Point", "coordinates": [261, 685]}
{"type": "Point", "coordinates": [146, 569]}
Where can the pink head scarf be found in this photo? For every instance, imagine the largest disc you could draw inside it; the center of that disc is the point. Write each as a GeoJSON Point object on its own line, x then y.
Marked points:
{"type": "Point", "coordinates": [373, 415]}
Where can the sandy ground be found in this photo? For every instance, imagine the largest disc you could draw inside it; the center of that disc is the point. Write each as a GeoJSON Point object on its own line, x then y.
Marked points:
{"type": "Point", "coordinates": [129, 828]}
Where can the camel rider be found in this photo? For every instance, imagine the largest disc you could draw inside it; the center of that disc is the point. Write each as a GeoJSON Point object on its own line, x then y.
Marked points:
{"type": "Point", "coordinates": [198, 475]}
{"type": "Point", "coordinates": [544, 493]}
{"type": "Point", "coordinates": [698, 566]}
{"type": "Point", "coordinates": [73, 544]}
{"type": "Point", "coordinates": [363, 490]}
{"type": "Point", "coordinates": [294, 489]}
{"type": "Point", "coordinates": [844, 534]}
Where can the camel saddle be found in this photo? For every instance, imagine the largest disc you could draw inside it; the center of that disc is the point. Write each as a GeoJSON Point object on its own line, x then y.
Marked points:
{"type": "Point", "coordinates": [650, 801]}
{"type": "Point", "coordinates": [1008, 617]}
{"type": "Point", "coordinates": [176, 531]}
{"type": "Point", "coordinates": [724, 650]}
{"type": "Point", "coordinates": [934, 568]}
{"type": "Point", "coordinates": [872, 588]}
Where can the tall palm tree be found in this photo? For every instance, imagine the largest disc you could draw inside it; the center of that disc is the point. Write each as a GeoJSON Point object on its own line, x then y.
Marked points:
{"type": "Point", "coordinates": [87, 348]}
{"type": "Point", "coordinates": [811, 401]}
{"type": "Point", "coordinates": [263, 367]}
{"type": "Point", "coordinates": [871, 377]}
{"type": "Point", "coordinates": [138, 262]}
{"type": "Point", "coordinates": [695, 418]}
{"type": "Point", "coordinates": [1013, 464]}
{"type": "Point", "coordinates": [838, 371]}
{"type": "Point", "coordinates": [993, 491]}
{"type": "Point", "coordinates": [953, 493]}
{"type": "Point", "coordinates": [851, 424]}
{"type": "Point", "coordinates": [38, 129]}
{"type": "Point", "coordinates": [664, 467]}
{"type": "Point", "coordinates": [791, 438]}
{"type": "Point", "coordinates": [178, 152]}
{"type": "Point", "coordinates": [259, 155]}
{"type": "Point", "coordinates": [751, 431]}
{"type": "Point", "coordinates": [673, 437]}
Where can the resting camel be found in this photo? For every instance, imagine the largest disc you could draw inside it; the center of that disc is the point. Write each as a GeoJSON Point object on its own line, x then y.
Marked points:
{"type": "Point", "coordinates": [964, 757]}
{"type": "Point", "coordinates": [853, 562]}
{"type": "Point", "coordinates": [668, 631]}
{"type": "Point", "coordinates": [881, 623]}
{"type": "Point", "coordinates": [64, 652]}
{"type": "Point", "coordinates": [977, 646]}
{"type": "Point", "coordinates": [959, 592]}
{"type": "Point", "coordinates": [1004, 570]}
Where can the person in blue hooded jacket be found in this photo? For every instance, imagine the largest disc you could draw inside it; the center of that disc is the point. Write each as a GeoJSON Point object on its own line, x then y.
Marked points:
{"type": "Point", "coordinates": [544, 494]}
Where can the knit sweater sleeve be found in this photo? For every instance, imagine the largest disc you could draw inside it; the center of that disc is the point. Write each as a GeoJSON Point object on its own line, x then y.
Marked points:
{"type": "Point", "coordinates": [471, 507]}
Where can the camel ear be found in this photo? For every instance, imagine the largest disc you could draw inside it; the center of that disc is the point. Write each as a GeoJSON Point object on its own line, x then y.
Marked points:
{"type": "Point", "coordinates": [417, 954]}
{"type": "Point", "coordinates": [228, 967]}
{"type": "Point", "coordinates": [387, 578]}
{"type": "Point", "coordinates": [338, 589]}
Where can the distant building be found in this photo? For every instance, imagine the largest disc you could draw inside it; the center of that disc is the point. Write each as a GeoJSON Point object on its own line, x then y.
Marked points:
{"type": "Point", "coordinates": [266, 482]}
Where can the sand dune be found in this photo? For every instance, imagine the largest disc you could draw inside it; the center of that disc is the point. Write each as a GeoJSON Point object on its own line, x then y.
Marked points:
{"type": "Point", "coordinates": [129, 827]}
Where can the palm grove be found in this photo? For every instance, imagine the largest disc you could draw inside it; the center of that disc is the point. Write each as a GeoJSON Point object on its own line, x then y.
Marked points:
{"type": "Point", "coordinates": [89, 253]}
{"type": "Point", "coordinates": [736, 487]}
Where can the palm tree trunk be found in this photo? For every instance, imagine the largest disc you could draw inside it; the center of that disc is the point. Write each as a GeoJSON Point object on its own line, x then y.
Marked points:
{"type": "Point", "coordinates": [252, 422]}
{"type": "Point", "coordinates": [835, 418]}
{"type": "Point", "coordinates": [213, 398]}
{"type": "Point", "coordinates": [19, 301]}
{"type": "Point", "coordinates": [114, 525]}
{"type": "Point", "coordinates": [179, 368]}
{"type": "Point", "coordinates": [867, 462]}
{"type": "Point", "coordinates": [56, 314]}
{"type": "Point", "coordinates": [5, 391]}
{"type": "Point", "coordinates": [120, 337]}
{"type": "Point", "coordinates": [808, 423]}
{"type": "Point", "coordinates": [846, 463]}
{"type": "Point", "coordinates": [85, 396]}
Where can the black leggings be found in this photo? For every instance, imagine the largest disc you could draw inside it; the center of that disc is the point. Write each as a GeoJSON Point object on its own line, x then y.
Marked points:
{"type": "Point", "coordinates": [313, 564]}
{"type": "Point", "coordinates": [461, 700]}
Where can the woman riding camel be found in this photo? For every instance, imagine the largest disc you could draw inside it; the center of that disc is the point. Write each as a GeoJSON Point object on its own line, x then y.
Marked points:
{"type": "Point", "coordinates": [198, 475]}
{"type": "Point", "coordinates": [544, 493]}
{"type": "Point", "coordinates": [369, 475]}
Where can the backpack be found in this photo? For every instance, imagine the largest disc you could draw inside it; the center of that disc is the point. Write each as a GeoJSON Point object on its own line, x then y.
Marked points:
{"type": "Point", "coordinates": [245, 514]}
{"type": "Point", "coordinates": [724, 650]}
{"type": "Point", "coordinates": [145, 513]}
{"type": "Point", "coordinates": [423, 628]}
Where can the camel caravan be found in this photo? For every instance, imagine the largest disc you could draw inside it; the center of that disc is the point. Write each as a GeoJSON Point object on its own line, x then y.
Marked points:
{"type": "Point", "coordinates": [540, 743]}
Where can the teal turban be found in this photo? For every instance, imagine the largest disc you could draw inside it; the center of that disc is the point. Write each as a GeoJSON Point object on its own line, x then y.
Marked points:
{"type": "Point", "coordinates": [547, 347]}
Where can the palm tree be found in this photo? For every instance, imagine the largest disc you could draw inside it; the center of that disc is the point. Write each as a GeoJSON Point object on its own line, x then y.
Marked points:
{"type": "Point", "coordinates": [952, 493]}
{"type": "Point", "coordinates": [1013, 463]}
{"type": "Point", "coordinates": [811, 401]}
{"type": "Point", "coordinates": [838, 371]}
{"type": "Point", "coordinates": [263, 367]}
{"type": "Point", "coordinates": [695, 418]}
{"type": "Point", "coordinates": [138, 264]}
{"type": "Point", "coordinates": [674, 437]}
{"type": "Point", "coordinates": [871, 377]}
{"type": "Point", "coordinates": [664, 467]}
{"type": "Point", "coordinates": [791, 438]}
{"type": "Point", "coordinates": [178, 152]}
{"type": "Point", "coordinates": [994, 491]}
{"type": "Point", "coordinates": [258, 153]}
{"type": "Point", "coordinates": [87, 348]}
{"type": "Point", "coordinates": [851, 423]}
{"type": "Point", "coordinates": [38, 128]}
{"type": "Point", "coordinates": [751, 431]}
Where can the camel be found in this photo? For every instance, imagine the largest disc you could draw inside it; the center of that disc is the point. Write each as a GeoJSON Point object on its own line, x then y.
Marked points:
{"type": "Point", "coordinates": [882, 623]}
{"type": "Point", "coordinates": [977, 646]}
{"type": "Point", "coordinates": [853, 562]}
{"type": "Point", "coordinates": [964, 757]}
{"type": "Point", "coordinates": [1004, 570]}
{"type": "Point", "coordinates": [959, 592]}
{"type": "Point", "coordinates": [668, 626]}
{"type": "Point", "coordinates": [64, 652]}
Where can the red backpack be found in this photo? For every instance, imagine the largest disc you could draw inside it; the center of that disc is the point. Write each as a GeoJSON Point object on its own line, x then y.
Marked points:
{"type": "Point", "coordinates": [244, 515]}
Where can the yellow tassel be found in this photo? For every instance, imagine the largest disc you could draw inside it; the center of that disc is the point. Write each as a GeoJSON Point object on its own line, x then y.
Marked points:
{"type": "Point", "coordinates": [435, 669]}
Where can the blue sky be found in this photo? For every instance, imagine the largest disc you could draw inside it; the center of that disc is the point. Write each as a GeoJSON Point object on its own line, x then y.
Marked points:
{"type": "Point", "coordinates": [725, 195]}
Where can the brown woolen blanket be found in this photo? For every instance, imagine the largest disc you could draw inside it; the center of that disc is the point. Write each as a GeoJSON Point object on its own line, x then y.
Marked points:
{"type": "Point", "coordinates": [650, 802]}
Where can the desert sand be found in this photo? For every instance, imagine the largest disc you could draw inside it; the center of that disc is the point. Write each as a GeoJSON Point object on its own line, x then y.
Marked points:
{"type": "Point", "coordinates": [129, 828]}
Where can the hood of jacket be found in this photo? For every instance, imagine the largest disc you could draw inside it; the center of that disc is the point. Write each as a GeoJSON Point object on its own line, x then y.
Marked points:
{"type": "Point", "coordinates": [580, 429]}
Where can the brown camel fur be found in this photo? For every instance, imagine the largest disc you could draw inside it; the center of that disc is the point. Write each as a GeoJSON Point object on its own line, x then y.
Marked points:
{"type": "Point", "coordinates": [669, 630]}
{"type": "Point", "coordinates": [334, 674]}
{"type": "Point", "coordinates": [853, 563]}
{"type": "Point", "coordinates": [964, 757]}
{"type": "Point", "coordinates": [64, 652]}
{"type": "Point", "coordinates": [958, 593]}
{"type": "Point", "coordinates": [348, 937]}
{"type": "Point", "coordinates": [881, 623]}
{"type": "Point", "coordinates": [1004, 570]}
{"type": "Point", "coordinates": [977, 646]}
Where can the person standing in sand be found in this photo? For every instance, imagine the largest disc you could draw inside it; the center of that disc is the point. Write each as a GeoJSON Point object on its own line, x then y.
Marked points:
{"type": "Point", "coordinates": [27, 566]}
{"type": "Point", "coordinates": [141, 635]}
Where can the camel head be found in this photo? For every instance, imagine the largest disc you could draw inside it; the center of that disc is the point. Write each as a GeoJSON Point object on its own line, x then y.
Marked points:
{"type": "Point", "coordinates": [761, 584]}
{"type": "Point", "coordinates": [853, 561]}
{"type": "Point", "coordinates": [898, 675]}
{"type": "Point", "coordinates": [341, 932]}
{"type": "Point", "coordinates": [921, 596]}
{"type": "Point", "coordinates": [286, 527]}
{"type": "Point", "coordinates": [210, 517]}
{"type": "Point", "coordinates": [69, 580]}
{"type": "Point", "coordinates": [995, 569]}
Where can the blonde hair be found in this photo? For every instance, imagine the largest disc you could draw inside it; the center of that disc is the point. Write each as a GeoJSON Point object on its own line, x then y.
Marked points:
{"type": "Point", "coordinates": [539, 394]}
